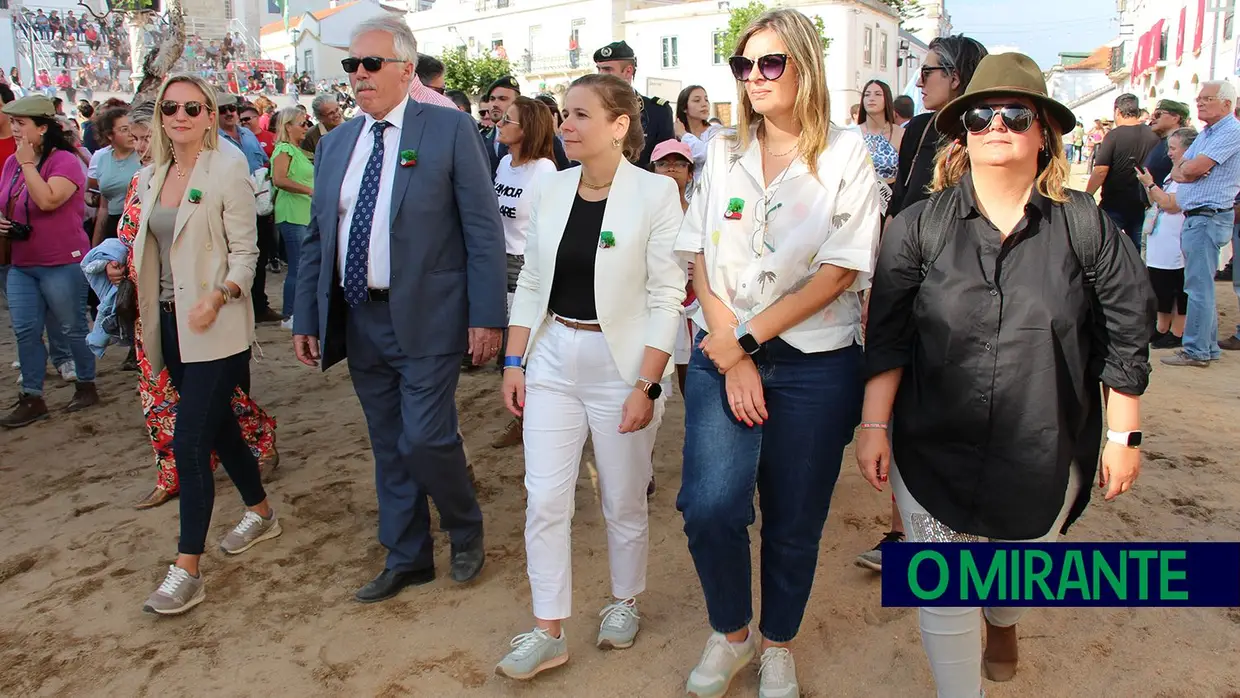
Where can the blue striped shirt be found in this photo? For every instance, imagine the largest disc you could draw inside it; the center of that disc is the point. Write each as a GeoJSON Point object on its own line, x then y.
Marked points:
{"type": "Point", "coordinates": [1220, 186]}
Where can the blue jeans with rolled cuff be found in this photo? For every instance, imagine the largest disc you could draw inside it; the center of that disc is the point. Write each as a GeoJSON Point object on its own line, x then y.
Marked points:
{"type": "Point", "coordinates": [45, 297]}
{"type": "Point", "coordinates": [291, 234]}
{"type": "Point", "coordinates": [793, 460]}
{"type": "Point", "coordinates": [1201, 240]}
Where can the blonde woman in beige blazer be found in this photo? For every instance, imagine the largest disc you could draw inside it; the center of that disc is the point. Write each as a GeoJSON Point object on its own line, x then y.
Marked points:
{"type": "Point", "coordinates": [593, 324]}
{"type": "Point", "coordinates": [194, 256]}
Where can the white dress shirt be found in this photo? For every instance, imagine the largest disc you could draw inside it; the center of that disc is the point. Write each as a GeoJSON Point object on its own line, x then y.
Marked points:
{"type": "Point", "coordinates": [809, 221]}
{"type": "Point", "coordinates": [379, 261]}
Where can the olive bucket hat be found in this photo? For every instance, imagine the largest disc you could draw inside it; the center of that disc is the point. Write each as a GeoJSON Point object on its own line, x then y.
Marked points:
{"type": "Point", "coordinates": [31, 105]}
{"type": "Point", "coordinates": [1004, 75]}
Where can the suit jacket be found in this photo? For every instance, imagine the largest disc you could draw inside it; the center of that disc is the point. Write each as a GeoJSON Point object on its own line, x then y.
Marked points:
{"type": "Point", "coordinates": [639, 286]}
{"type": "Point", "coordinates": [488, 140]}
{"type": "Point", "coordinates": [215, 240]}
{"type": "Point", "coordinates": [447, 240]}
{"type": "Point", "coordinates": [656, 124]}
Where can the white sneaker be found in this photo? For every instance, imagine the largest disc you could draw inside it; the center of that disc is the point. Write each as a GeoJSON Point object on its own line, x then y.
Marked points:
{"type": "Point", "coordinates": [720, 662]}
{"type": "Point", "coordinates": [68, 371]}
{"type": "Point", "coordinates": [287, 323]}
{"type": "Point", "coordinates": [619, 625]}
{"type": "Point", "coordinates": [17, 365]}
{"type": "Point", "coordinates": [778, 676]}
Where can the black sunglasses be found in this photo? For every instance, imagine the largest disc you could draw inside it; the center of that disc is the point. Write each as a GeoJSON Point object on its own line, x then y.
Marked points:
{"type": "Point", "coordinates": [192, 109]}
{"type": "Point", "coordinates": [372, 64]}
{"type": "Point", "coordinates": [928, 70]}
{"type": "Point", "coordinates": [1017, 118]}
{"type": "Point", "coordinates": [227, 109]}
{"type": "Point", "coordinates": [771, 66]}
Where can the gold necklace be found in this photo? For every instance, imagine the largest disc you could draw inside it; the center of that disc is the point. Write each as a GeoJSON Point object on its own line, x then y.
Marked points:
{"type": "Point", "coordinates": [177, 166]}
{"type": "Point", "coordinates": [786, 153]}
{"type": "Point", "coordinates": [595, 187]}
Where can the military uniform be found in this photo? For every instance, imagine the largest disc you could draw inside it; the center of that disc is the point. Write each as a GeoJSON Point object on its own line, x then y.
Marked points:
{"type": "Point", "coordinates": [656, 112]}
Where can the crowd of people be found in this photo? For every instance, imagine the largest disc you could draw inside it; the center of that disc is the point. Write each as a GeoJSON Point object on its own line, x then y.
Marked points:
{"type": "Point", "coordinates": [802, 282]}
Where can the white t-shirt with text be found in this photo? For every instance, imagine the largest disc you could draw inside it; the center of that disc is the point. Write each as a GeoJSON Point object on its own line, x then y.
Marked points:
{"type": "Point", "coordinates": [514, 208]}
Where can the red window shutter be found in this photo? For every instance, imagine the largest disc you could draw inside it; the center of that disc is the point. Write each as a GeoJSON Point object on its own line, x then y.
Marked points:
{"type": "Point", "coordinates": [1201, 26]}
{"type": "Point", "coordinates": [1179, 37]}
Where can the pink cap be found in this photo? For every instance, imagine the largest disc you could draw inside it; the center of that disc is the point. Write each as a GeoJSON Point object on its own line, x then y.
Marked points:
{"type": "Point", "coordinates": [670, 147]}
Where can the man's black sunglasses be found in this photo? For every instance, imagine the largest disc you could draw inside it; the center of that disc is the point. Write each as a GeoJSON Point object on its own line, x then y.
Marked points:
{"type": "Point", "coordinates": [227, 109]}
{"type": "Point", "coordinates": [1017, 118]}
{"type": "Point", "coordinates": [372, 64]}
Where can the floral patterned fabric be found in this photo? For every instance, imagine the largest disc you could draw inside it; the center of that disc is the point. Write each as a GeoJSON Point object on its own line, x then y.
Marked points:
{"type": "Point", "coordinates": [159, 397]}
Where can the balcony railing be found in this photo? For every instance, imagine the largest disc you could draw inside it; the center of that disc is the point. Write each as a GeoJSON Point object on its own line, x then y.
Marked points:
{"type": "Point", "coordinates": [543, 63]}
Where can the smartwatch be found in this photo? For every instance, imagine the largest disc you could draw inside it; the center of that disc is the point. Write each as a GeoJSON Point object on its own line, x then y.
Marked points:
{"type": "Point", "coordinates": [652, 389]}
{"type": "Point", "coordinates": [1131, 439]}
{"type": "Point", "coordinates": [748, 344]}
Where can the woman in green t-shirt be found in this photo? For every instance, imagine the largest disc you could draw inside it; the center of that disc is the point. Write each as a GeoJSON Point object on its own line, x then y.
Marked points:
{"type": "Point", "coordinates": [292, 174]}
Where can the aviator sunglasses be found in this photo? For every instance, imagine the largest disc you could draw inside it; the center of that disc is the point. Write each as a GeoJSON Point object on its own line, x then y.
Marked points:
{"type": "Point", "coordinates": [1016, 117]}
{"type": "Point", "coordinates": [770, 66]}
{"type": "Point", "coordinates": [170, 108]}
{"type": "Point", "coordinates": [372, 64]}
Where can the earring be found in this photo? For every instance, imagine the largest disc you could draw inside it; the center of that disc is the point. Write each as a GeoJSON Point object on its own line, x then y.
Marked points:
{"type": "Point", "coordinates": [615, 142]}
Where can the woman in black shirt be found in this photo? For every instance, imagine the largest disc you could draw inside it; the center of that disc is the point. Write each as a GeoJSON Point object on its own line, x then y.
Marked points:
{"type": "Point", "coordinates": [985, 355]}
{"type": "Point", "coordinates": [593, 324]}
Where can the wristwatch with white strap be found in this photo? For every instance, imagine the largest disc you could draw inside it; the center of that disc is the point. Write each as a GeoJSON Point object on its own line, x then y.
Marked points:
{"type": "Point", "coordinates": [1131, 439]}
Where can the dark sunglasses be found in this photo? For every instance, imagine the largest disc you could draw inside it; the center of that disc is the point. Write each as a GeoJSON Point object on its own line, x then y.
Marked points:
{"type": "Point", "coordinates": [928, 70]}
{"type": "Point", "coordinates": [1017, 118]}
{"type": "Point", "coordinates": [192, 109]}
{"type": "Point", "coordinates": [771, 66]}
{"type": "Point", "coordinates": [372, 64]}
{"type": "Point", "coordinates": [227, 109]}
{"type": "Point", "coordinates": [246, 119]}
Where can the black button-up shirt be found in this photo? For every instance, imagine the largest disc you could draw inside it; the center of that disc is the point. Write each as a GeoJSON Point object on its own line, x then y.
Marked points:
{"type": "Point", "coordinates": [1002, 356]}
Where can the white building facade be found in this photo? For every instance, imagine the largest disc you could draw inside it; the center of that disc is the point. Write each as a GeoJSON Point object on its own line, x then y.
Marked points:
{"type": "Point", "coordinates": [316, 42]}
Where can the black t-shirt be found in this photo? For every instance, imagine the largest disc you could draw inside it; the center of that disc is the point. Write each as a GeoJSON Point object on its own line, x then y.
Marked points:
{"type": "Point", "coordinates": [1123, 150]}
{"type": "Point", "coordinates": [1158, 162]}
{"type": "Point", "coordinates": [572, 287]}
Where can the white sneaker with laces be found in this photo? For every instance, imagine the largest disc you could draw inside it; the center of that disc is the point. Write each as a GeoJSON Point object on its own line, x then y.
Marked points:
{"type": "Point", "coordinates": [619, 626]}
{"type": "Point", "coordinates": [720, 662]}
{"type": "Point", "coordinates": [533, 653]}
{"type": "Point", "coordinates": [778, 676]}
{"type": "Point", "coordinates": [179, 592]}
{"type": "Point", "coordinates": [252, 530]}
{"type": "Point", "coordinates": [68, 371]}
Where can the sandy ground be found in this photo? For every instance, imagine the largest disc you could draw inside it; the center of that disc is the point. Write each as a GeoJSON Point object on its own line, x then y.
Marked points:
{"type": "Point", "coordinates": [76, 563]}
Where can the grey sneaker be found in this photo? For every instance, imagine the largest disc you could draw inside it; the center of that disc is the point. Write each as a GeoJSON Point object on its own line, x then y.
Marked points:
{"type": "Point", "coordinates": [619, 625]}
{"type": "Point", "coordinates": [178, 593]}
{"type": "Point", "coordinates": [533, 653]}
{"type": "Point", "coordinates": [778, 676]}
{"type": "Point", "coordinates": [252, 530]}
{"type": "Point", "coordinates": [1181, 359]}
{"type": "Point", "coordinates": [720, 662]}
{"type": "Point", "coordinates": [873, 559]}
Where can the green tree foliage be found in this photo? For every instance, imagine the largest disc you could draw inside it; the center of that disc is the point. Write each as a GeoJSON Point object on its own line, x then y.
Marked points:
{"type": "Point", "coordinates": [740, 17]}
{"type": "Point", "coordinates": [472, 74]}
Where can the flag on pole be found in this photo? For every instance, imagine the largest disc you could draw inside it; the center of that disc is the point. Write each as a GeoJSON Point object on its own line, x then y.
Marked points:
{"type": "Point", "coordinates": [281, 8]}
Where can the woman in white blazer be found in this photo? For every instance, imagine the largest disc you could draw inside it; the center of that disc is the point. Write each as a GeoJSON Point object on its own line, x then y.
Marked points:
{"type": "Point", "coordinates": [194, 256]}
{"type": "Point", "coordinates": [593, 325]}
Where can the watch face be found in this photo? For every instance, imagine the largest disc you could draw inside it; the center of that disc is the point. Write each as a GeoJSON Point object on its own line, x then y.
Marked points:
{"type": "Point", "coordinates": [654, 391]}
{"type": "Point", "coordinates": [748, 343]}
{"type": "Point", "coordinates": [1134, 439]}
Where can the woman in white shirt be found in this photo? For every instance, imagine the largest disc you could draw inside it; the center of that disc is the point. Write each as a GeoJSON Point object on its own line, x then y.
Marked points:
{"type": "Point", "coordinates": [783, 236]}
{"type": "Point", "coordinates": [593, 323]}
{"type": "Point", "coordinates": [528, 129]}
{"type": "Point", "coordinates": [1162, 254]}
{"type": "Point", "coordinates": [693, 127]}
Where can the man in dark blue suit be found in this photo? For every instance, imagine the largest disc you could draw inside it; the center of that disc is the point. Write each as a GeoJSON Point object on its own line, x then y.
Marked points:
{"type": "Point", "coordinates": [402, 270]}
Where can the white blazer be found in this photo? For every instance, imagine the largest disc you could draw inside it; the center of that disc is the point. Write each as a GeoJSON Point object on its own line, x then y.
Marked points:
{"type": "Point", "coordinates": [639, 284]}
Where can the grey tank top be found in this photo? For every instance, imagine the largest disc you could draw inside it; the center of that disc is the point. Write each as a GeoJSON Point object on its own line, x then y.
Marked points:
{"type": "Point", "coordinates": [163, 222]}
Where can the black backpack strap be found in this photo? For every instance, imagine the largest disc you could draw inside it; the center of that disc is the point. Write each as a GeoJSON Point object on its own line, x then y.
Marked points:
{"type": "Point", "coordinates": [932, 226]}
{"type": "Point", "coordinates": [1085, 232]}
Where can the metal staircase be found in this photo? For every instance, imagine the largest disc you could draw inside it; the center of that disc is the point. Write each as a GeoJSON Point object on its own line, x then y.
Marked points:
{"type": "Point", "coordinates": [35, 51]}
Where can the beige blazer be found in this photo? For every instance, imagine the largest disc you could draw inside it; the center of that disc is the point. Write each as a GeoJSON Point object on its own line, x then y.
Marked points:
{"type": "Point", "coordinates": [215, 240]}
{"type": "Point", "coordinates": [639, 285]}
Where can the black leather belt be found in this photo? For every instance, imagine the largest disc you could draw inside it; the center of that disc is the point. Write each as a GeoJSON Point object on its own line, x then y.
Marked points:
{"type": "Point", "coordinates": [169, 307]}
{"type": "Point", "coordinates": [377, 295]}
{"type": "Point", "coordinates": [1205, 211]}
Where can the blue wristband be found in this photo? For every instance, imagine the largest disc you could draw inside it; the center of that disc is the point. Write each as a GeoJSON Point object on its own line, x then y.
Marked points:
{"type": "Point", "coordinates": [512, 362]}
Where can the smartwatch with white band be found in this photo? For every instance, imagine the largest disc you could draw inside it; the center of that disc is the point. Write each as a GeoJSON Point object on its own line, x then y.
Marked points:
{"type": "Point", "coordinates": [1131, 439]}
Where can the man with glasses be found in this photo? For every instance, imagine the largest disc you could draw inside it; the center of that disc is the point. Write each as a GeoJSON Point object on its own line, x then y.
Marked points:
{"type": "Point", "coordinates": [502, 94]}
{"type": "Point", "coordinates": [248, 117]}
{"type": "Point", "coordinates": [402, 268]}
{"type": "Point", "coordinates": [428, 83]}
{"type": "Point", "coordinates": [1167, 117]}
{"type": "Point", "coordinates": [618, 59]}
{"type": "Point", "coordinates": [1116, 160]}
{"type": "Point", "coordinates": [248, 144]}
{"type": "Point", "coordinates": [1209, 178]}
{"type": "Point", "coordinates": [329, 115]}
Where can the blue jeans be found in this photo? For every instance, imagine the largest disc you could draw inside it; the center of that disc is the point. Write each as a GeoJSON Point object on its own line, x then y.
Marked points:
{"type": "Point", "coordinates": [205, 422]}
{"type": "Point", "coordinates": [48, 295]}
{"type": "Point", "coordinates": [793, 460]}
{"type": "Point", "coordinates": [1130, 222]}
{"type": "Point", "coordinates": [56, 339]}
{"type": "Point", "coordinates": [1200, 241]}
{"type": "Point", "coordinates": [291, 234]}
{"type": "Point", "coordinates": [1235, 251]}
{"type": "Point", "coordinates": [1069, 151]}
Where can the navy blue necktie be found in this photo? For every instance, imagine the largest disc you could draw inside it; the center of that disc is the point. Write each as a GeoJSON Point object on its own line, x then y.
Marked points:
{"type": "Point", "coordinates": [357, 256]}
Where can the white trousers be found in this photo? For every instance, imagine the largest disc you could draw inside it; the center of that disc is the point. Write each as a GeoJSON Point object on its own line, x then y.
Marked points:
{"type": "Point", "coordinates": [952, 637]}
{"type": "Point", "coordinates": [572, 387]}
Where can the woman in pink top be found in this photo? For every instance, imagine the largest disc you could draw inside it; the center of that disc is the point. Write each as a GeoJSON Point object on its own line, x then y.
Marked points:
{"type": "Point", "coordinates": [41, 188]}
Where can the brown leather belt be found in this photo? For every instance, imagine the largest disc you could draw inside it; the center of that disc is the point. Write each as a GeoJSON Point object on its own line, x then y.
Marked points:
{"type": "Point", "coordinates": [584, 326]}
